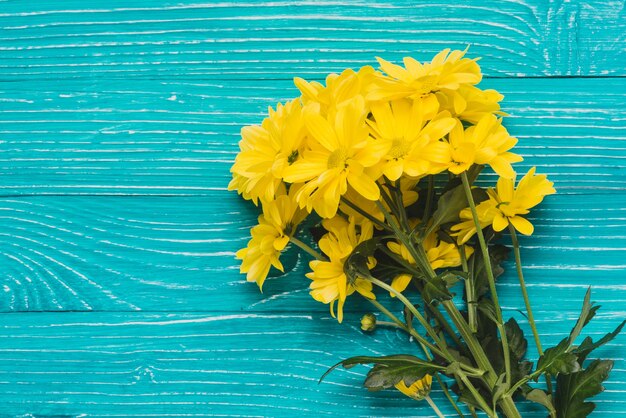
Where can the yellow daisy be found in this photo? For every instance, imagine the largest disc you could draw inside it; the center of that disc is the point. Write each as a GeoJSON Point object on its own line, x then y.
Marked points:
{"type": "Point", "coordinates": [469, 103]}
{"type": "Point", "coordinates": [487, 142]}
{"type": "Point", "coordinates": [341, 151]}
{"type": "Point", "coordinates": [406, 127]}
{"type": "Point", "coordinates": [448, 70]}
{"type": "Point", "coordinates": [505, 205]}
{"type": "Point", "coordinates": [339, 89]}
{"type": "Point", "coordinates": [267, 150]}
{"type": "Point", "coordinates": [329, 282]}
{"type": "Point", "coordinates": [270, 237]}
{"type": "Point", "coordinates": [511, 202]}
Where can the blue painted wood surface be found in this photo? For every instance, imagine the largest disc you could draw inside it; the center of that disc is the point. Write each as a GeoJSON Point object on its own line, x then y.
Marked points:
{"type": "Point", "coordinates": [118, 123]}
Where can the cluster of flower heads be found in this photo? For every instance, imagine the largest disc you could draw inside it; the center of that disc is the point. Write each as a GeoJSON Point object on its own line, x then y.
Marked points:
{"type": "Point", "coordinates": [329, 150]}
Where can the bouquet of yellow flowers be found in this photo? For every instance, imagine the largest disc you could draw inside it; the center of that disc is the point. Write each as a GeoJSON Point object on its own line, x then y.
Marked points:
{"type": "Point", "coordinates": [385, 162]}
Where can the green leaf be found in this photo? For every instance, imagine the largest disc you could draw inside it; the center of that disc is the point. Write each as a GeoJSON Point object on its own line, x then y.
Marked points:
{"type": "Point", "coordinates": [572, 390]}
{"type": "Point", "coordinates": [450, 204]}
{"type": "Point", "coordinates": [540, 397]}
{"type": "Point", "coordinates": [356, 263]}
{"type": "Point", "coordinates": [499, 389]}
{"type": "Point", "coordinates": [515, 336]}
{"type": "Point", "coordinates": [557, 360]}
{"type": "Point", "coordinates": [486, 307]}
{"type": "Point", "coordinates": [436, 290]}
{"type": "Point", "coordinates": [497, 253]}
{"type": "Point", "coordinates": [588, 311]}
{"type": "Point", "coordinates": [587, 346]}
{"type": "Point", "coordinates": [389, 370]}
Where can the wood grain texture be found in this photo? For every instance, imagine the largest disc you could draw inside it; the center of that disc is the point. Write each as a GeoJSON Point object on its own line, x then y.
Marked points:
{"type": "Point", "coordinates": [245, 40]}
{"type": "Point", "coordinates": [180, 138]}
{"type": "Point", "coordinates": [212, 364]}
{"type": "Point", "coordinates": [177, 254]}
{"type": "Point", "coordinates": [118, 123]}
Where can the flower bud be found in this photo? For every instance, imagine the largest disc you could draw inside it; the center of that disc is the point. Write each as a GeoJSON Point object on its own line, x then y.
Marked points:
{"type": "Point", "coordinates": [368, 322]}
{"type": "Point", "coordinates": [418, 390]}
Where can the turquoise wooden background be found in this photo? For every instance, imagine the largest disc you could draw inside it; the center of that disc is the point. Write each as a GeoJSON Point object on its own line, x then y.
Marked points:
{"type": "Point", "coordinates": [118, 123]}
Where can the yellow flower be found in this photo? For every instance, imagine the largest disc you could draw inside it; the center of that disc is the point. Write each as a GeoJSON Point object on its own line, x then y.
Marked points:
{"type": "Point", "coordinates": [330, 284]}
{"type": "Point", "coordinates": [417, 390]}
{"type": "Point", "coordinates": [448, 70]}
{"type": "Point", "coordinates": [466, 228]}
{"type": "Point", "coordinates": [270, 237]}
{"type": "Point", "coordinates": [512, 202]}
{"type": "Point", "coordinates": [406, 127]}
{"type": "Point", "coordinates": [505, 205]}
{"type": "Point", "coordinates": [339, 89]}
{"type": "Point", "coordinates": [339, 155]}
{"type": "Point", "coordinates": [440, 254]}
{"type": "Point", "coordinates": [487, 142]}
{"type": "Point", "coordinates": [443, 254]}
{"type": "Point", "coordinates": [469, 103]}
{"type": "Point", "coordinates": [267, 150]}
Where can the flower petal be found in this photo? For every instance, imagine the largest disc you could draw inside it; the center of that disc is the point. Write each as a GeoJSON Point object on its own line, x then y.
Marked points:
{"type": "Point", "coordinates": [365, 186]}
{"type": "Point", "coordinates": [522, 225]}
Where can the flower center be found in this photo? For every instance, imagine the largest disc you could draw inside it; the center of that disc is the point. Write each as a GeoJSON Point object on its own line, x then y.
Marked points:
{"type": "Point", "coordinates": [337, 159]}
{"type": "Point", "coordinates": [425, 85]}
{"type": "Point", "coordinates": [399, 148]}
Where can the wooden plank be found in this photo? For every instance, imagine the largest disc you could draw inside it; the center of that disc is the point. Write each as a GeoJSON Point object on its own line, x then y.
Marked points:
{"type": "Point", "coordinates": [244, 40]}
{"type": "Point", "coordinates": [145, 364]}
{"type": "Point", "coordinates": [177, 254]}
{"type": "Point", "coordinates": [180, 138]}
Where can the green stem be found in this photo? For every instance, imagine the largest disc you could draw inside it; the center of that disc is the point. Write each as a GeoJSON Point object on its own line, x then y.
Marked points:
{"type": "Point", "coordinates": [471, 341]}
{"type": "Point", "coordinates": [433, 310]}
{"type": "Point", "coordinates": [429, 198]}
{"type": "Point", "coordinates": [490, 276]}
{"type": "Point", "coordinates": [440, 348]}
{"type": "Point", "coordinates": [449, 396]}
{"type": "Point", "coordinates": [529, 311]}
{"type": "Point", "coordinates": [434, 407]}
{"type": "Point", "coordinates": [507, 404]}
{"type": "Point", "coordinates": [397, 191]}
{"type": "Point", "coordinates": [469, 292]}
{"type": "Point", "coordinates": [365, 214]}
{"type": "Point", "coordinates": [522, 282]}
{"type": "Point", "coordinates": [306, 248]}
{"type": "Point", "coordinates": [478, 397]}
{"type": "Point", "coordinates": [389, 324]}
{"type": "Point", "coordinates": [397, 322]}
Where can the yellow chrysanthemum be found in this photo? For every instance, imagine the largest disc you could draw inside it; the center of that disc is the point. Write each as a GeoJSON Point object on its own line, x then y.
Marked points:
{"type": "Point", "coordinates": [339, 89]}
{"type": "Point", "coordinates": [469, 103]}
{"type": "Point", "coordinates": [406, 127]}
{"type": "Point", "coordinates": [505, 205]}
{"type": "Point", "coordinates": [440, 254]}
{"type": "Point", "coordinates": [270, 237]}
{"type": "Point", "coordinates": [448, 70]}
{"type": "Point", "coordinates": [511, 202]}
{"type": "Point", "coordinates": [487, 142]}
{"type": "Point", "coordinates": [466, 228]}
{"type": "Point", "coordinates": [339, 154]}
{"type": "Point", "coordinates": [417, 390]}
{"type": "Point", "coordinates": [330, 284]}
{"type": "Point", "coordinates": [267, 150]}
